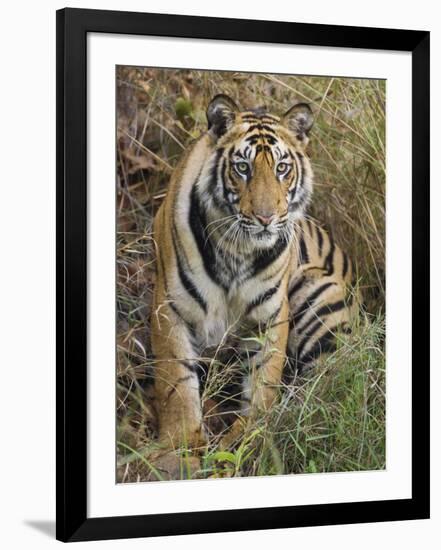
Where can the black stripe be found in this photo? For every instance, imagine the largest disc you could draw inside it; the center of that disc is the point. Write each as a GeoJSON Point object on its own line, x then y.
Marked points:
{"type": "Point", "coordinates": [225, 187]}
{"type": "Point", "coordinates": [319, 239]}
{"type": "Point", "coordinates": [198, 222]}
{"type": "Point", "coordinates": [308, 324]}
{"type": "Point", "coordinates": [176, 310]}
{"type": "Point", "coordinates": [264, 297]}
{"type": "Point", "coordinates": [324, 311]}
{"type": "Point", "coordinates": [252, 140]}
{"type": "Point", "coordinates": [261, 127]}
{"type": "Point", "coordinates": [334, 307]}
{"type": "Point", "coordinates": [345, 265]}
{"type": "Point", "coordinates": [213, 172]}
{"type": "Point", "coordinates": [177, 240]}
{"type": "Point", "coordinates": [292, 194]}
{"type": "Point", "coordinates": [238, 153]}
{"type": "Point", "coordinates": [274, 275]}
{"type": "Point", "coordinates": [190, 327]}
{"type": "Point", "coordinates": [301, 176]}
{"type": "Point", "coordinates": [266, 118]}
{"type": "Point", "coordinates": [304, 257]}
{"type": "Point", "coordinates": [329, 260]}
{"type": "Point", "coordinates": [299, 180]}
{"type": "Point", "coordinates": [305, 306]}
{"type": "Point", "coordinates": [269, 138]}
{"type": "Point", "coordinates": [266, 257]}
{"type": "Point", "coordinates": [326, 344]}
{"type": "Point", "coordinates": [307, 337]}
{"type": "Point", "coordinates": [296, 287]}
{"type": "Point", "coordinates": [188, 284]}
{"type": "Point", "coordinates": [192, 367]}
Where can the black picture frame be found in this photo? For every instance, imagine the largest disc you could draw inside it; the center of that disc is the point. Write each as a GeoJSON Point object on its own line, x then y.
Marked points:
{"type": "Point", "coordinates": [72, 28]}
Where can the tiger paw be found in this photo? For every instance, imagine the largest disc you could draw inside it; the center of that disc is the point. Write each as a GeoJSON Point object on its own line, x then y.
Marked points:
{"type": "Point", "coordinates": [172, 436]}
{"type": "Point", "coordinates": [234, 435]}
{"type": "Point", "coordinates": [171, 465]}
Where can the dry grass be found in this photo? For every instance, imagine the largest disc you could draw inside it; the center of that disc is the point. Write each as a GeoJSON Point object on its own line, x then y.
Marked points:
{"type": "Point", "coordinates": [333, 421]}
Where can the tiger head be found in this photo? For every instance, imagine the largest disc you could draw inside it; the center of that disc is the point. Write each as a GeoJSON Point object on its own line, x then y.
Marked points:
{"type": "Point", "coordinates": [260, 173]}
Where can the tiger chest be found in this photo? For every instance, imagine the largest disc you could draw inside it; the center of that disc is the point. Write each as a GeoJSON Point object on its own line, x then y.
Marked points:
{"type": "Point", "coordinates": [239, 310]}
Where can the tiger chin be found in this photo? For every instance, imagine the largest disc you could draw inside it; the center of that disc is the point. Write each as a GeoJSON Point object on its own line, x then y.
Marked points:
{"type": "Point", "coordinates": [235, 253]}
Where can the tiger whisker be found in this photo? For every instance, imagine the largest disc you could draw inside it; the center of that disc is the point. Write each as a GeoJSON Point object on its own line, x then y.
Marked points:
{"type": "Point", "coordinates": [223, 237]}
{"type": "Point", "coordinates": [225, 222]}
{"type": "Point", "coordinates": [219, 220]}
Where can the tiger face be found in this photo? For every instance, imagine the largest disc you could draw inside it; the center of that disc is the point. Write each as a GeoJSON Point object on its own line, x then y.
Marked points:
{"type": "Point", "coordinates": [264, 178]}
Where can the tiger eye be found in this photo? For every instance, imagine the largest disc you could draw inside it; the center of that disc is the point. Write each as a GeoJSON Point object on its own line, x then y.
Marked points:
{"type": "Point", "coordinates": [242, 167]}
{"type": "Point", "coordinates": [282, 167]}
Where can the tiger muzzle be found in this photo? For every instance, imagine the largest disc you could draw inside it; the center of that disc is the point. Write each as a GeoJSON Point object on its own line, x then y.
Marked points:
{"type": "Point", "coordinates": [265, 217]}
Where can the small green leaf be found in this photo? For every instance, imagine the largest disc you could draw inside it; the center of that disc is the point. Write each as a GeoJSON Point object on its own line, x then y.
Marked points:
{"type": "Point", "coordinates": [224, 456]}
{"type": "Point", "coordinates": [183, 107]}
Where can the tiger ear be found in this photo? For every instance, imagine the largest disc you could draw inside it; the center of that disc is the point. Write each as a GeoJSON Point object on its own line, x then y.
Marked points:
{"type": "Point", "coordinates": [299, 120]}
{"type": "Point", "coordinates": [221, 113]}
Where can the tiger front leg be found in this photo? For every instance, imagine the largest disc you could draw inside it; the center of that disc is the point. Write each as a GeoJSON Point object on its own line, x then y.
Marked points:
{"type": "Point", "coordinates": [176, 385]}
{"type": "Point", "coordinates": [260, 386]}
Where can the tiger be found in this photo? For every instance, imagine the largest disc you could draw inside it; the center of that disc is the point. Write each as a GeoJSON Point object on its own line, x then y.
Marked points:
{"type": "Point", "coordinates": [237, 253]}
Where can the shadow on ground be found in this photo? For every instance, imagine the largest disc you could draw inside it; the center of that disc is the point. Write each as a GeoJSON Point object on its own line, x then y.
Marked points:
{"type": "Point", "coordinates": [44, 526]}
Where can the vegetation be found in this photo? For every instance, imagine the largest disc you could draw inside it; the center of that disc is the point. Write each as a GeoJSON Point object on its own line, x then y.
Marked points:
{"type": "Point", "coordinates": [331, 420]}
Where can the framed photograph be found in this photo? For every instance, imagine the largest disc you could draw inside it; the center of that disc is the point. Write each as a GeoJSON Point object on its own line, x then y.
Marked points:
{"type": "Point", "coordinates": [242, 274]}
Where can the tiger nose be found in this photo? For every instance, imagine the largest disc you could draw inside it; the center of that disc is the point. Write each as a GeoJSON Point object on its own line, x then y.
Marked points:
{"type": "Point", "coordinates": [265, 218]}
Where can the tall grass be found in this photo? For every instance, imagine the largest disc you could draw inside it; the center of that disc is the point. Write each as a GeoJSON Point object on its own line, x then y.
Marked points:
{"type": "Point", "coordinates": [335, 419]}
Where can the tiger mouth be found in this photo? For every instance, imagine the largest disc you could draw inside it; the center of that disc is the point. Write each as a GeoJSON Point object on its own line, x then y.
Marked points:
{"type": "Point", "coordinates": [259, 230]}
{"type": "Point", "coordinates": [262, 233]}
